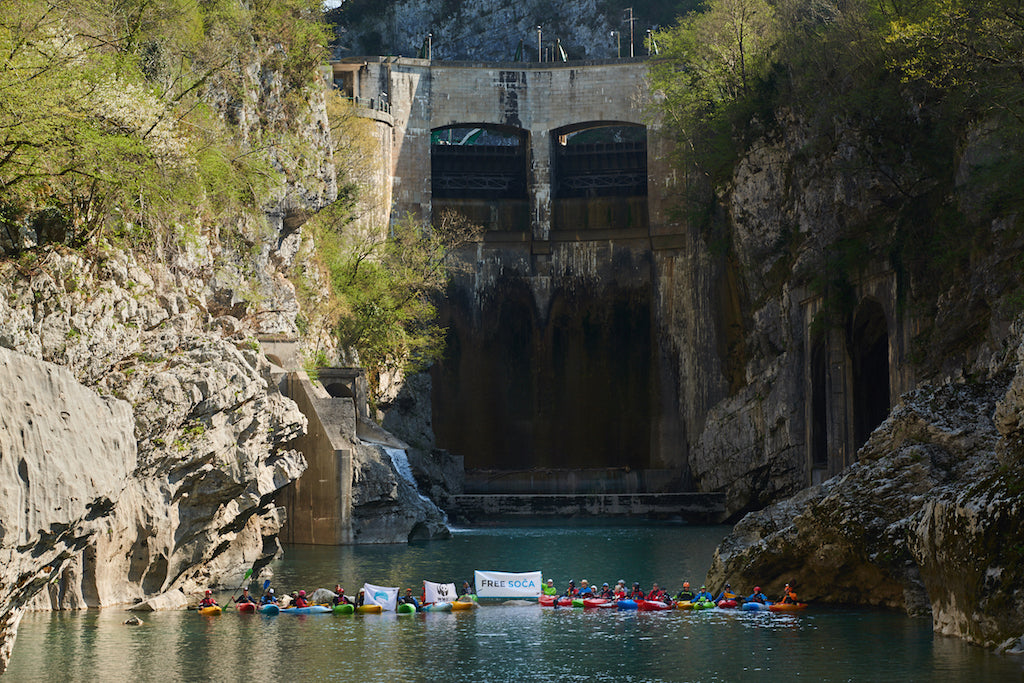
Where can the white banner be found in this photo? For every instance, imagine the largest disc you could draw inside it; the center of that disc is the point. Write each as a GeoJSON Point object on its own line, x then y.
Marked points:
{"type": "Point", "coordinates": [507, 585]}
{"type": "Point", "coordinates": [387, 598]}
{"type": "Point", "coordinates": [438, 592]}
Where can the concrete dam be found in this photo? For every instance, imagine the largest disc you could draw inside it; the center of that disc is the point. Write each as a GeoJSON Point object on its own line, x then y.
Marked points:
{"type": "Point", "coordinates": [593, 329]}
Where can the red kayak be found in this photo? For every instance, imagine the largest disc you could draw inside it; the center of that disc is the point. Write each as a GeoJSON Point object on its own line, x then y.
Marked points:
{"type": "Point", "coordinates": [727, 604]}
{"type": "Point", "coordinates": [246, 607]}
{"type": "Point", "coordinates": [552, 600]}
{"type": "Point", "coordinates": [591, 603]}
{"type": "Point", "coordinates": [651, 606]}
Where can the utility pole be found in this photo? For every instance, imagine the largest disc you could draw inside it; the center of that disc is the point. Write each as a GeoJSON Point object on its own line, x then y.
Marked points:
{"type": "Point", "coordinates": [539, 55]}
{"type": "Point", "coordinates": [629, 19]}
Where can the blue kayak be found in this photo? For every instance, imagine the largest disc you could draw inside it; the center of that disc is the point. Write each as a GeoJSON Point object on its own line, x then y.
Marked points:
{"type": "Point", "coordinates": [626, 604]}
{"type": "Point", "coordinates": [312, 609]}
{"type": "Point", "coordinates": [754, 607]}
{"type": "Point", "coordinates": [269, 609]}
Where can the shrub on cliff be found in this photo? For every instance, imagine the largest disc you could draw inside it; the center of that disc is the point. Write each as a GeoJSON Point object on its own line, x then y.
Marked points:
{"type": "Point", "coordinates": [118, 119]}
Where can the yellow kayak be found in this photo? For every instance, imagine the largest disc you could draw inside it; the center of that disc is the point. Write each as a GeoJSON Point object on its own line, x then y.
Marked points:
{"type": "Point", "coordinates": [463, 605]}
{"type": "Point", "coordinates": [369, 609]}
{"type": "Point", "coordinates": [684, 604]}
{"type": "Point", "coordinates": [215, 609]}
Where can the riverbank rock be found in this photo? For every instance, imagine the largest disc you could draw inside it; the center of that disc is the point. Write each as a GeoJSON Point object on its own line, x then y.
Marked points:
{"type": "Point", "coordinates": [208, 427]}
{"type": "Point", "coordinates": [928, 519]}
{"type": "Point", "coordinates": [67, 456]}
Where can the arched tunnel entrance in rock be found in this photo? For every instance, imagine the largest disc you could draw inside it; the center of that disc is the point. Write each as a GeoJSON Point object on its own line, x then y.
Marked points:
{"type": "Point", "coordinates": [869, 357]}
{"type": "Point", "coordinates": [571, 387]}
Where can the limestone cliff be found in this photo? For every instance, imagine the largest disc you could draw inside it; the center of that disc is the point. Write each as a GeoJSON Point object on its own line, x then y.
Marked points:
{"type": "Point", "coordinates": [927, 520]}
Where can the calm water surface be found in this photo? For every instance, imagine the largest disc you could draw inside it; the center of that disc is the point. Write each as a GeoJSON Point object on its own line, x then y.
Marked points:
{"type": "Point", "coordinates": [502, 642]}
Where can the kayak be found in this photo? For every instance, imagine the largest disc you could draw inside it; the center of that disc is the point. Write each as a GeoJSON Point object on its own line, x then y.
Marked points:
{"type": "Point", "coordinates": [312, 609]}
{"type": "Point", "coordinates": [627, 604]}
{"type": "Point", "coordinates": [209, 611]}
{"type": "Point", "coordinates": [702, 604]}
{"type": "Point", "coordinates": [246, 606]}
{"type": "Point", "coordinates": [344, 608]}
{"type": "Point", "coordinates": [787, 606]}
{"type": "Point", "coordinates": [463, 605]}
{"type": "Point", "coordinates": [563, 602]}
{"type": "Point", "coordinates": [547, 600]}
{"type": "Point", "coordinates": [438, 607]}
{"type": "Point", "coordinates": [577, 602]}
{"type": "Point", "coordinates": [755, 607]}
{"type": "Point", "coordinates": [591, 603]}
{"type": "Point", "coordinates": [269, 609]}
{"type": "Point", "coordinates": [727, 604]}
{"type": "Point", "coordinates": [406, 608]}
{"type": "Point", "coordinates": [652, 606]}
{"type": "Point", "coordinates": [684, 604]}
{"type": "Point", "coordinates": [369, 609]}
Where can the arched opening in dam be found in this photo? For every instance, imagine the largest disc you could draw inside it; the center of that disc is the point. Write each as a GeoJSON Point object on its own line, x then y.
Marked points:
{"type": "Point", "coordinates": [480, 171]}
{"type": "Point", "coordinates": [599, 177]}
{"type": "Point", "coordinates": [869, 356]}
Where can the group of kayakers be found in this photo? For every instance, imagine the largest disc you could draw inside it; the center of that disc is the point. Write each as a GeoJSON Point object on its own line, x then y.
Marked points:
{"type": "Point", "coordinates": [657, 594]}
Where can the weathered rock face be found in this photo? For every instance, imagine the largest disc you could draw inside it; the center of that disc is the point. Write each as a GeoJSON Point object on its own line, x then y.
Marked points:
{"type": "Point", "coordinates": [66, 459]}
{"type": "Point", "coordinates": [926, 520]}
{"type": "Point", "coordinates": [386, 507]}
{"type": "Point", "coordinates": [490, 30]}
{"type": "Point", "coordinates": [205, 437]}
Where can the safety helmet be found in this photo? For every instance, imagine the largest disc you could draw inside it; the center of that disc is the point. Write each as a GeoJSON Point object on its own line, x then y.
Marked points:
{"type": "Point", "coordinates": [757, 589]}
{"type": "Point", "coordinates": [551, 580]}
{"type": "Point", "coordinates": [604, 585]}
{"type": "Point", "coordinates": [209, 592]}
{"type": "Point", "coordinates": [302, 594]}
{"type": "Point", "coordinates": [271, 591]}
{"type": "Point", "coordinates": [686, 584]}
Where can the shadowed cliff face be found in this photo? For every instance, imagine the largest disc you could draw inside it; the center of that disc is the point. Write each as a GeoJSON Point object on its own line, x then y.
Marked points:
{"type": "Point", "coordinates": [573, 385]}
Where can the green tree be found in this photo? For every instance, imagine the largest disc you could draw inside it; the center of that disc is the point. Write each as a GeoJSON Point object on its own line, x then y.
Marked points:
{"type": "Point", "coordinates": [711, 63]}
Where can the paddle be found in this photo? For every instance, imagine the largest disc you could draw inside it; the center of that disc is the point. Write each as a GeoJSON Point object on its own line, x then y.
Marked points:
{"type": "Point", "coordinates": [248, 573]}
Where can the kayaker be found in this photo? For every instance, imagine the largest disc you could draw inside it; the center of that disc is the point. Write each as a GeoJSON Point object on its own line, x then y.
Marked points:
{"type": "Point", "coordinates": [702, 594]}
{"type": "Point", "coordinates": [606, 592]}
{"type": "Point", "coordinates": [788, 595]}
{"type": "Point", "coordinates": [571, 591]}
{"type": "Point", "coordinates": [300, 600]}
{"type": "Point", "coordinates": [620, 590]}
{"type": "Point", "coordinates": [585, 590]}
{"type": "Point", "coordinates": [360, 597]}
{"type": "Point", "coordinates": [726, 594]}
{"type": "Point", "coordinates": [637, 593]}
{"type": "Point", "coordinates": [339, 596]}
{"type": "Point", "coordinates": [409, 599]}
{"type": "Point", "coordinates": [465, 590]}
{"type": "Point", "coordinates": [686, 594]}
{"type": "Point", "coordinates": [245, 597]}
{"type": "Point", "coordinates": [207, 600]}
{"type": "Point", "coordinates": [656, 593]}
{"type": "Point", "coordinates": [549, 588]}
{"type": "Point", "coordinates": [757, 596]}
{"type": "Point", "coordinates": [269, 598]}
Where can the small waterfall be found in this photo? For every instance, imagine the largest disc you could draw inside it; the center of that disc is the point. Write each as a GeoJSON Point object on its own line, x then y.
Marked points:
{"type": "Point", "coordinates": [400, 461]}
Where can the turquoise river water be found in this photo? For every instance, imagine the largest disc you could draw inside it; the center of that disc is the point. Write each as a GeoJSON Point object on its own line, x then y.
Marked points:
{"type": "Point", "coordinates": [502, 642]}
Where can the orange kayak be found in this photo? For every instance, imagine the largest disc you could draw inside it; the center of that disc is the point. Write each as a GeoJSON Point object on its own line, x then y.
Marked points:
{"type": "Point", "coordinates": [787, 606]}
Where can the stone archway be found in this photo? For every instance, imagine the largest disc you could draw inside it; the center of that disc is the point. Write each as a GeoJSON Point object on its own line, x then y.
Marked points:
{"type": "Point", "coordinates": [868, 345]}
